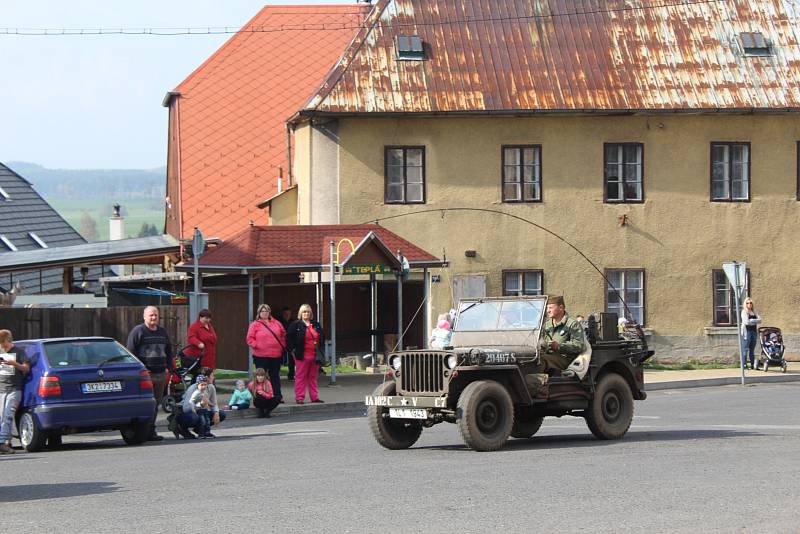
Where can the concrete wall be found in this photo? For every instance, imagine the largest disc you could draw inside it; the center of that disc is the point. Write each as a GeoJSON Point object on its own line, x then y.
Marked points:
{"type": "Point", "coordinates": [676, 235]}
{"type": "Point", "coordinates": [283, 208]}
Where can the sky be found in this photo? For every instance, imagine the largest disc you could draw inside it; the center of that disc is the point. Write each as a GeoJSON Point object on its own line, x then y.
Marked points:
{"type": "Point", "coordinates": [94, 101]}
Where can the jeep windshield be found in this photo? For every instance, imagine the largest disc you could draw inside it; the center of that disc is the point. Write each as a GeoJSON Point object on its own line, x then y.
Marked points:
{"type": "Point", "coordinates": [499, 315]}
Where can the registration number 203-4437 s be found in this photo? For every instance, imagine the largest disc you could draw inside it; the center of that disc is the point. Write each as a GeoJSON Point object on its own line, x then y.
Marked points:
{"type": "Point", "coordinates": [102, 387]}
{"type": "Point", "coordinates": [408, 413]}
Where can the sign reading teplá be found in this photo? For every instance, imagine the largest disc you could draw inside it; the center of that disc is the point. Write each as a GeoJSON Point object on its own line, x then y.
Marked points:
{"type": "Point", "coordinates": [375, 268]}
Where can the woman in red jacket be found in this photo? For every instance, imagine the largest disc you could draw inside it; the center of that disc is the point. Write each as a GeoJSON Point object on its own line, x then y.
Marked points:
{"type": "Point", "coordinates": [267, 338]}
{"type": "Point", "coordinates": [202, 341]}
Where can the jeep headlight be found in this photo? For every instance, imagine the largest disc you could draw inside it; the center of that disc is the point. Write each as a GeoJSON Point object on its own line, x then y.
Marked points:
{"type": "Point", "coordinates": [451, 361]}
{"type": "Point", "coordinates": [395, 362]}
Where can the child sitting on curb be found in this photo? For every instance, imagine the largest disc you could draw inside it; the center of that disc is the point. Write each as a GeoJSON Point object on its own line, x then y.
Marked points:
{"type": "Point", "coordinates": [241, 397]}
{"type": "Point", "coordinates": [261, 389]}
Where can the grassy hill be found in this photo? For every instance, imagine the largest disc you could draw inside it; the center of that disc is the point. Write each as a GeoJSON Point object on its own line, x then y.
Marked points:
{"type": "Point", "coordinates": [78, 193]}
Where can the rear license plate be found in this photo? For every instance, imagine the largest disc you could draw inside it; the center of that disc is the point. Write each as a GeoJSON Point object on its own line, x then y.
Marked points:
{"type": "Point", "coordinates": [101, 387]}
{"type": "Point", "coordinates": [408, 413]}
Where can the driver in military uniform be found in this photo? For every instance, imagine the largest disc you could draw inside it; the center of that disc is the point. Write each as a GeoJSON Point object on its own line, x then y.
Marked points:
{"type": "Point", "coordinates": [563, 336]}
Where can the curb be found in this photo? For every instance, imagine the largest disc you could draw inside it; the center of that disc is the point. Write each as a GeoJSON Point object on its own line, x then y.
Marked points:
{"type": "Point", "coordinates": [723, 381]}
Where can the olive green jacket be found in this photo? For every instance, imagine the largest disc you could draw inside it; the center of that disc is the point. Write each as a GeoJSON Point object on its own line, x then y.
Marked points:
{"type": "Point", "coordinates": [569, 334]}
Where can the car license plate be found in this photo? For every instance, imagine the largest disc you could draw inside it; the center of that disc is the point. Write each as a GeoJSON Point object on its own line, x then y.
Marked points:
{"type": "Point", "coordinates": [102, 387]}
{"type": "Point", "coordinates": [408, 413]}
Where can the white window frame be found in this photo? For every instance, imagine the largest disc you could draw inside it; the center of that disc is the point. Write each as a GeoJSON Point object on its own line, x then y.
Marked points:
{"type": "Point", "coordinates": [620, 164]}
{"type": "Point", "coordinates": [614, 300]}
{"type": "Point", "coordinates": [521, 275]}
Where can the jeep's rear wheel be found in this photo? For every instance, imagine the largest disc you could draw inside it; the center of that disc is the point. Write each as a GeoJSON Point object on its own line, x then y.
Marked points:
{"type": "Point", "coordinates": [485, 415]}
{"type": "Point", "coordinates": [391, 433]}
{"type": "Point", "coordinates": [611, 410]}
{"type": "Point", "coordinates": [526, 428]}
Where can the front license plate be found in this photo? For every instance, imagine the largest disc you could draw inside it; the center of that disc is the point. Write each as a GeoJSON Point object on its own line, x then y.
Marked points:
{"type": "Point", "coordinates": [408, 413]}
{"type": "Point", "coordinates": [101, 387]}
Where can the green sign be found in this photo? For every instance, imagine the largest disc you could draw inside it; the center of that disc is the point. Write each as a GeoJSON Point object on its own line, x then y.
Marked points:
{"type": "Point", "coordinates": [375, 268]}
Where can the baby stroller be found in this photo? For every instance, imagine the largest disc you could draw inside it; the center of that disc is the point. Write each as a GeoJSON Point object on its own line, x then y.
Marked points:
{"type": "Point", "coordinates": [179, 378]}
{"type": "Point", "coordinates": [772, 348]}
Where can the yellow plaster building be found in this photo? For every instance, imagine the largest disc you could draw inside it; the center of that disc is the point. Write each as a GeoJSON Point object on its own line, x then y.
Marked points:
{"type": "Point", "coordinates": [650, 160]}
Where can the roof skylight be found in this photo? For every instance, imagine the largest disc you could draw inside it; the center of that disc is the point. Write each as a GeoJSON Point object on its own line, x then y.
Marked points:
{"type": "Point", "coordinates": [38, 240]}
{"type": "Point", "coordinates": [410, 47]}
{"type": "Point", "coordinates": [754, 44]}
{"type": "Point", "coordinates": [7, 242]}
{"type": "Point", "coordinates": [4, 195]}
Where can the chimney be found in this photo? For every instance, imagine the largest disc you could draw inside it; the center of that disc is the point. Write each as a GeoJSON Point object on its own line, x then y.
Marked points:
{"type": "Point", "coordinates": [116, 225]}
{"type": "Point", "coordinates": [116, 230]}
{"type": "Point", "coordinates": [280, 179]}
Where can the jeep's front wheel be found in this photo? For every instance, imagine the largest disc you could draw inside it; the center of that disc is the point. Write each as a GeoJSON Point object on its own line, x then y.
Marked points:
{"type": "Point", "coordinates": [485, 415]}
{"type": "Point", "coordinates": [611, 410]}
{"type": "Point", "coordinates": [391, 433]}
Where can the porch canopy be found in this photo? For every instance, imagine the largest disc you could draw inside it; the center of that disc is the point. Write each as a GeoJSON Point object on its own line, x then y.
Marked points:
{"type": "Point", "coordinates": [368, 250]}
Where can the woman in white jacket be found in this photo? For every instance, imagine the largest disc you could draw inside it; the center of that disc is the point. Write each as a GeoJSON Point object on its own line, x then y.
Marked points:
{"type": "Point", "coordinates": [750, 321]}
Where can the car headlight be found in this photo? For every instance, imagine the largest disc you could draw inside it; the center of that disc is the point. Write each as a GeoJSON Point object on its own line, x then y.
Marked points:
{"type": "Point", "coordinates": [395, 362]}
{"type": "Point", "coordinates": [451, 361]}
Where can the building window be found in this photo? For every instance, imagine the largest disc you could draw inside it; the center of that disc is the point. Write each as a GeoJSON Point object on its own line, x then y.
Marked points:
{"type": "Point", "coordinates": [518, 283]}
{"type": "Point", "coordinates": [627, 284]}
{"type": "Point", "coordinates": [522, 173]}
{"type": "Point", "coordinates": [623, 165]}
{"type": "Point", "coordinates": [410, 47]}
{"type": "Point", "coordinates": [730, 172]}
{"type": "Point", "coordinates": [405, 174]}
{"type": "Point", "coordinates": [38, 240]}
{"type": "Point", "coordinates": [724, 299]}
{"type": "Point", "coordinates": [4, 195]}
{"type": "Point", "coordinates": [8, 244]}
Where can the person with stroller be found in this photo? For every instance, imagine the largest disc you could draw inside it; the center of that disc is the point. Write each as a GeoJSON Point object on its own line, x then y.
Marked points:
{"type": "Point", "coordinates": [263, 398]}
{"type": "Point", "coordinates": [188, 419]}
{"type": "Point", "coordinates": [267, 338]}
{"type": "Point", "coordinates": [750, 321]}
{"type": "Point", "coordinates": [202, 339]}
{"type": "Point", "coordinates": [306, 340]}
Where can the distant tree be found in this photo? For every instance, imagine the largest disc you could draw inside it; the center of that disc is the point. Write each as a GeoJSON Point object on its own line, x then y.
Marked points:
{"type": "Point", "coordinates": [88, 227]}
{"type": "Point", "coordinates": [147, 230]}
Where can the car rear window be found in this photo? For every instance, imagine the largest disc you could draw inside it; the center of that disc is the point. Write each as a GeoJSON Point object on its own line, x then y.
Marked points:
{"type": "Point", "coordinates": [86, 352]}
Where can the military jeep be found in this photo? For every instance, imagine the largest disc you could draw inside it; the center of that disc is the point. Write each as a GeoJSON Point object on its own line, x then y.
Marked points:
{"type": "Point", "coordinates": [487, 382]}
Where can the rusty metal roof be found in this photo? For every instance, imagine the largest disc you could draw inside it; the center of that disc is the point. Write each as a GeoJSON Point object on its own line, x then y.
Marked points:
{"type": "Point", "coordinates": [525, 56]}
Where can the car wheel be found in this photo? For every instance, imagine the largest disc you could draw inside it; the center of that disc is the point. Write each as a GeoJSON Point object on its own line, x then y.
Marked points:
{"type": "Point", "coordinates": [136, 433]}
{"type": "Point", "coordinates": [611, 410]}
{"type": "Point", "coordinates": [168, 403]}
{"type": "Point", "coordinates": [485, 415]}
{"type": "Point", "coordinates": [30, 435]}
{"type": "Point", "coordinates": [393, 434]}
{"type": "Point", "coordinates": [526, 428]}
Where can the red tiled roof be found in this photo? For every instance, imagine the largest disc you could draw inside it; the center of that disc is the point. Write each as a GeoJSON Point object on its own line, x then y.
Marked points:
{"type": "Point", "coordinates": [303, 245]}
{"type": "Point", "coordinates": [232, 110]}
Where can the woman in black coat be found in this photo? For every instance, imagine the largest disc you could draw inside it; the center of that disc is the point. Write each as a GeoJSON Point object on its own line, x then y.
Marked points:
{"type": "Point", "coordinates": [305, 339]}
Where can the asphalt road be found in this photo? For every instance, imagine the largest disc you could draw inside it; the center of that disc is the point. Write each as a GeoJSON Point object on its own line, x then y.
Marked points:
{"type": "Point", "coordinates": [721, 459]}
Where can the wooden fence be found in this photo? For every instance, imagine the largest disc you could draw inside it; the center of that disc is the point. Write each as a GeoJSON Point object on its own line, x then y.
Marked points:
{"type": "Point", "coordinates": [33, 323]}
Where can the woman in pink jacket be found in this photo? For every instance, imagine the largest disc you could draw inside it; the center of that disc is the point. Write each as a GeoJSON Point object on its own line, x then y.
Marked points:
{"type": "Point", "coordinates": [267, 338]}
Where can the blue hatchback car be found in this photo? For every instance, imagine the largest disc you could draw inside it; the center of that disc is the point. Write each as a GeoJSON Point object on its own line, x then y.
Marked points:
{"type": "Point", "coordinates": [83, 385]}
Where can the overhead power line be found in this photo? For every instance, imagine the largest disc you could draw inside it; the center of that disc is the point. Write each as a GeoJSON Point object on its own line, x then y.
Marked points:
{"type": "Point", "coordinates": [221, 30]}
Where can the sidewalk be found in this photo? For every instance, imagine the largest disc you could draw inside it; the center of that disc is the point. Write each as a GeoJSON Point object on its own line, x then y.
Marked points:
{"type": "Point", "coordinates": [347, 396]}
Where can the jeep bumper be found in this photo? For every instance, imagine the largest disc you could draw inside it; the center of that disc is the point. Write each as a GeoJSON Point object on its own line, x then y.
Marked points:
{"type": "Point", "coordinates": [397, 401]}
